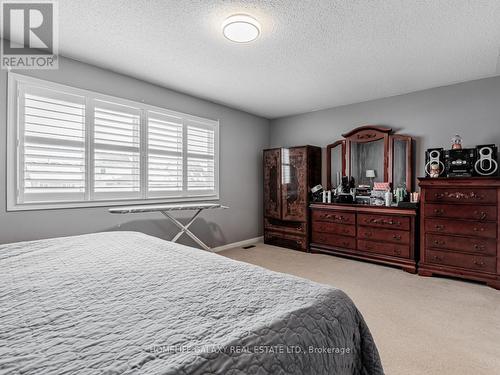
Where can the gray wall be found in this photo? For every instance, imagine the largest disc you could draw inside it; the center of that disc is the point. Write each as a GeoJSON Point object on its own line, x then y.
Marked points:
{"type": "Point", "coordinates": [242, 137]}
{"type": "Point", "coordinates": [433, 116]}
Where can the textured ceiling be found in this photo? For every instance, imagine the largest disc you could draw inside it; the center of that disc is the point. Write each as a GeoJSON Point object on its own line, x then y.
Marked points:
{"type": "Point", "coordinates": [310, 55]}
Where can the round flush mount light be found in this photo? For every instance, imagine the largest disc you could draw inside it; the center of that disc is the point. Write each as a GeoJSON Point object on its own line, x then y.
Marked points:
{"type": "Point", "coordinates": [241, 28]}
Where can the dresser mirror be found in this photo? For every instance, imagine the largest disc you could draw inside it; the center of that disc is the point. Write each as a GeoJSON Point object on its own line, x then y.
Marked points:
{"type": "Point", "coordinates": [367, 161]}
{"type": "Point", "coordinates": [401, 159]}
{"type": "Point", "coordinates": [336, 162]}
{"type": "Point", "coordinates": [371, 154]}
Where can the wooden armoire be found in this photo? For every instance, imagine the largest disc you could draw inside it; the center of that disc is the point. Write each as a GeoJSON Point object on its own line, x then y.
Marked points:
{"type": "Point", "coordinates": [289, 174]}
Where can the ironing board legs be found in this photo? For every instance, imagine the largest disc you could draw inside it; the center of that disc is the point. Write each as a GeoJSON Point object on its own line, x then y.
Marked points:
{"type": "Point", "coordinates": [185, 228]}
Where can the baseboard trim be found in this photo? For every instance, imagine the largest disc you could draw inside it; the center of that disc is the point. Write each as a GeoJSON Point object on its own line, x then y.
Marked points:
{"type": "Point", "coordinates": [250, 241]}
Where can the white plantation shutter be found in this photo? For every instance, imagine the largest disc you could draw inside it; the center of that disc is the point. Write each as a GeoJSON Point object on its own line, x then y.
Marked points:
{"type": "Point", "coordinates": [165, 157]}
{"type": "Point", "coordinates": [69, 147]}
{"type": "Point", "coordinates": [200, 157]}
{"type": "Point", "coordinates": [116, 151]}
{"type": "Point", "coordinates": [51, 146]}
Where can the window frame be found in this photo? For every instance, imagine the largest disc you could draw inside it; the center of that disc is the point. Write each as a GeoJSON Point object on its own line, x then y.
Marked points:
{"type": "Point", "coordinates": [14, 157]}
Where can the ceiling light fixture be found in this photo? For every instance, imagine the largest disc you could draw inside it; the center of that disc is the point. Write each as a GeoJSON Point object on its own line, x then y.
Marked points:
{"type": "Point", "coordinates": [241, 28]}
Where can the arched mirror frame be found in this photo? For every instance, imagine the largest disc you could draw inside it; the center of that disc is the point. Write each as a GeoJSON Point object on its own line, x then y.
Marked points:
{"type": "Point", "coordinates": [371, 133]}
{"type": "Point", "coordinates": [367, 134]}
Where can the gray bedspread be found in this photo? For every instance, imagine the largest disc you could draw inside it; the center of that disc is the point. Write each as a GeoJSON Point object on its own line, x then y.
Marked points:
{"type": "Point", "coordinates": [128, 303]}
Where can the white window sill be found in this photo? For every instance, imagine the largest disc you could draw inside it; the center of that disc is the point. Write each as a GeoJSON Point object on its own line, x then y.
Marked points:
{"type": "Point", "coordinates": [107, 203]}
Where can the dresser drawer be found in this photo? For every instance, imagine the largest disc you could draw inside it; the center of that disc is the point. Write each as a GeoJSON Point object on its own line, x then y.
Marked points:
{"type": "Point", "coordinates": [461, 195]}
{"type": "Point", "coordinates": [285, 240]}
{"type": "Point", "coordinates": [471, 245]}
{"type": "Point", "coordinates": [464, 228]}
{"type": "Point", "coordinates": [472, 262]}
{"type": "Point", "coordinates": [402, 251]}
{"type": "Point", "coordinates": [332, 216]}
{"type": "Point", "coordinates": [294, 227]}
{"type": "Point", "coordinates": [384, 221]}
{"type": "Point", "coordinates": [379, 234]}
{"type": "Point", "coordinates": [334, 240]}
{"type": "Point", "coordinates": [481, 213]}
{"type": "Point", "coordinates": [342, 229]}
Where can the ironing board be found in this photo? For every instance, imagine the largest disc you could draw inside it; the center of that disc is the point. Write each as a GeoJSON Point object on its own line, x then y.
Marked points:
{"type": "Point", "coordinates": [165, 209]}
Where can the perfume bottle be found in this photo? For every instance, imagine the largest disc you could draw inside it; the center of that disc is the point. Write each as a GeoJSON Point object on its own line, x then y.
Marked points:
{"type": "Point", "coordinates": [388, 198]}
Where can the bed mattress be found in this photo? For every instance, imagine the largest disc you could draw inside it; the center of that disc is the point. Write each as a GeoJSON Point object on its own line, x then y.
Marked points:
{"type": "Point", "coordinates": [128, 303]}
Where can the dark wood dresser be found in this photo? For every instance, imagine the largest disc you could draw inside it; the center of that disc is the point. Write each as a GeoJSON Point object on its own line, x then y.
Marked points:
{"type": "Point", "coordinates": [289, 174]}
{"type": "Point", "coordinates": [380, 234]}
{"type": "Point", "coordinates": [460, 227]}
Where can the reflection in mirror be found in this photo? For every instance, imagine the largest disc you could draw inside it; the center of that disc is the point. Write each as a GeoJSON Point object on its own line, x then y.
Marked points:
{"type": "Point", "coordinates": [336, 172]}
{"type": "Point", "coordinates": [289, 176]}
{"type": "Point", "coordinates": [367, 156]}
{"type": "Point", "coordinates": [399, 163]}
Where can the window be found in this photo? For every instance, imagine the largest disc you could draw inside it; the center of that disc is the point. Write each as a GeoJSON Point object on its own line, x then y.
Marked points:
{"type": "Point", "coordinates": [116, 151]}
{"type": "Point", "coordinates": [165, 158]}
{"type": "Point", "coordinates": [74, 148]}
{"type": "Point", "coordinates": [200, 157]}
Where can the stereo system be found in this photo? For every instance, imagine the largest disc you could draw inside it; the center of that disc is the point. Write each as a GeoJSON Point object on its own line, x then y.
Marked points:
{"type": "Point", "coordinates": [465, 162]}
{"type": "Point", "coordinates": [460, 162]}
{"type": "Point", "coordinates": [434, 156]}
{"type": "Point", "coordinates": [486, 160]}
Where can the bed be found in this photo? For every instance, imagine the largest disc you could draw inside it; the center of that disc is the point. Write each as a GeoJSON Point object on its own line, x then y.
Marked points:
{"type": "Point", "coordinates": [128, 303]}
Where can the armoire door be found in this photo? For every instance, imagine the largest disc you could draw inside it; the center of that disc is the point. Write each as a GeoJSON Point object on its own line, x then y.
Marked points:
{"type": "Point", "coordinates": [272, 183]}
{"type": "Point", "coordinates": [294, 183]}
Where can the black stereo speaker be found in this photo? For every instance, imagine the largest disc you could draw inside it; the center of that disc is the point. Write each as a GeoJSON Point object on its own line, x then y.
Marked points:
{"type": "Point", "coordinates": [486, 163]}
{"type": "Point", "coordinates": [434, 156]}
{"type": "Point", "coordinates": [460, 162]}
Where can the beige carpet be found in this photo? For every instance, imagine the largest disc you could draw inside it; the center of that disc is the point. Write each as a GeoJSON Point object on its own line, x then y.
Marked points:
{"type": "Point", "coordinates": [422, 325]}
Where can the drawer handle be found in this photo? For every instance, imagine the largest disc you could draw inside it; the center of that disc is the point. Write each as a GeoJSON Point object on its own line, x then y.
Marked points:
{"type": "Point", "coordinates": [438, 211]}
{"type": "Point", "coordinates": [479, 247]}
{"type": "Point", "coordinates": [397, 252]}
{"type": "Point", "coordinates": [439, 227]}
{"type": "Point", "coordinates": [335, 217]}
{"type": "Point", "coordinates": [437, 258]}
{"type": "Point", "coordinates": [482, 215]}
{"type": "Point", "coordinates": [459, 195]}
{"type": "Point", "coordinates": [480, 229]}
{"type": "Point", "coordinates": [346, 231]}
{"type": "Point", "coordinates": [369, 247]}
{"type": "Point", "coordinates": [479, 263]}
{"type": "Point", "coordinates": [368, 234]}
{"type": "Point", "coordinates": [345, 243]}
{"type": "Point", "coordinates": [397, 237]}
{"type": "Point", "coordinates": [382, 221]}
{"type": "Point", "coordinates": [438, 242]}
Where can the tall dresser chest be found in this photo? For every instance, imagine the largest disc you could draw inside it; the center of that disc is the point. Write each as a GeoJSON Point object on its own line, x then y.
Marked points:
{"type": "Point", "coordinates": [460, 227]}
